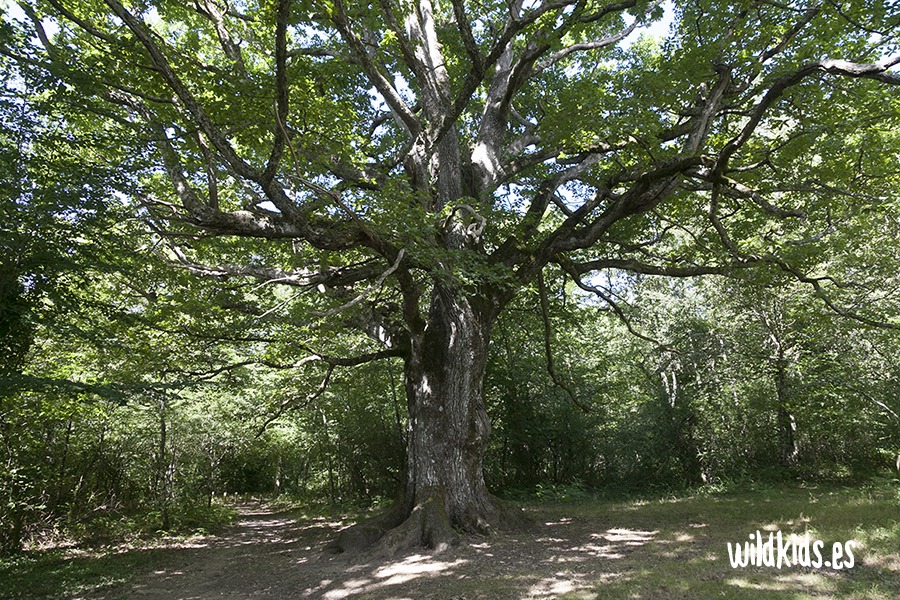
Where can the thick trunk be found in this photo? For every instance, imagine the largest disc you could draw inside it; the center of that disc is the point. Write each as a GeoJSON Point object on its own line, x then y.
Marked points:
{"type": "Point", "coordinates": [448, 425]}
{"type": "Point", "coordinates": [448, 432]}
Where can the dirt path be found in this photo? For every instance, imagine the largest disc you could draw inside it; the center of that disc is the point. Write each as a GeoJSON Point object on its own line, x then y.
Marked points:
{"type": "Point", "coordinates": [264, 555]}
{"type": "Point", "coordinates": [273, 556]}
{"type": "Point", "coordinates": [587, 551]}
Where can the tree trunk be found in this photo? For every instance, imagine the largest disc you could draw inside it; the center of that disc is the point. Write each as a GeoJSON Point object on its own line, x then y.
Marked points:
{"type": "Point", "coordinates": [787, 424]}
{"type": "Point", "coordinates": [447, 436]}
{"type": "Point", "coordinates": [681, 427]}
{"type": "Point", "coordinates": [787, 440]}
{"type": "Point", "coordinates": [162, 468]}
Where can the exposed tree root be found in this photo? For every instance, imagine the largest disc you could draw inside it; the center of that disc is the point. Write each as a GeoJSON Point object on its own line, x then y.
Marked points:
{"type": "Point", "coordinates": [426, 526]}
{"type": "Point", "coordinates": [364, 534]}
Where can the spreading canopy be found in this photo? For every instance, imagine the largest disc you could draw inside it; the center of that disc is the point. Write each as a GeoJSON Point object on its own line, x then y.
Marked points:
{"type": "Point", "coordinates": [521, 133]}
{"type": "Point", "coordinates": [412, 165]}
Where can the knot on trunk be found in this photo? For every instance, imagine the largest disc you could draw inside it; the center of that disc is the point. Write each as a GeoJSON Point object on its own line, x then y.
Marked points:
{"type": "Point", "coordinates": [463, 231]}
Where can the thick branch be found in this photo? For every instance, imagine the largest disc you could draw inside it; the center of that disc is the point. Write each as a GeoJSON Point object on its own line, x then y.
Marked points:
{"type": "Point", "coordinates": [202, 213]}
{"type": "Point", "coordinates": [502, 49]}
{"type": "Point", "coordinates": [878, 72]}
{"type": "Point", "coordinates": [385, 88]}
{"type": "Point", "coordinates": [281, 90]}
{"type": "Point", "coordinates": [329, 278]}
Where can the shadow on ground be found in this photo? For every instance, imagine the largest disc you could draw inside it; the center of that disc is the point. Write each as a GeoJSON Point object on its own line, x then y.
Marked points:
{"type": "Point", "coordinates": [661, 549]}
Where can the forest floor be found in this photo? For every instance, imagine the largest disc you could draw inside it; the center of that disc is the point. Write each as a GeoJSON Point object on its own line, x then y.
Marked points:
{"type": "Point", "coordinates": [589, 548]}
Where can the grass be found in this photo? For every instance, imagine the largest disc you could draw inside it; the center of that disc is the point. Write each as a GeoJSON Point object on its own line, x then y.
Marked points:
{"type": "Point", "coordinates": [686, 552]}
{"type": "Point", "coordinates": [582, 548]}
{"type": "Point", "coordinates": [70, 573]}
{"type": "Point", "coordinates": [110, 553]}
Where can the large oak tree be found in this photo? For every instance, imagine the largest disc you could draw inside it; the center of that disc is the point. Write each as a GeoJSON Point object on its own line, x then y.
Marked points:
{"type": "Point", "coordinates": [412, 165]}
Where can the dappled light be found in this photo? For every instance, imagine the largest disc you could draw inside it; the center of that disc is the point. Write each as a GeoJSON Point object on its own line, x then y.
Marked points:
{"type": "Point", "coordinates": [413, 566]}
{"type": "Point", "coordinates": [589, 549]}
{"type": "Point", "coordinates": [449, 299]}
{"type": "Point", "coordinates": [380, 578]}
{"type": "Point", "coordinates": [796, 582]}
{"type": "Point", "coordinates": [556, 585]}
{"type": "Point", "coordinates": [628, 536]}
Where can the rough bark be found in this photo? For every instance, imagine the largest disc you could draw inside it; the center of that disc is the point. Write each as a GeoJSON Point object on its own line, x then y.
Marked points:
{"type": "Point", "coordinates": [445, 492]}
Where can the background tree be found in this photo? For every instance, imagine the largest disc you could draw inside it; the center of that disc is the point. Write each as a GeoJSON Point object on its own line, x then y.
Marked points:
{"type": "Point", "coordinates": [414, 165]}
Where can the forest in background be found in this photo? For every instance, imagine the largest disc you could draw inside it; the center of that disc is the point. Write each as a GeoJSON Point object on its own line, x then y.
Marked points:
{"type": "Point", "coordinates": [118, 416]}
{"type": "Point", "coordinates": [155, 354]}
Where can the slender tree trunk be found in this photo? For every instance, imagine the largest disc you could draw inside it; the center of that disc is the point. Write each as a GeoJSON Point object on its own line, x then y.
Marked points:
{"type": "Point", "coordinates": [448, 432]}
{"type": "Point", "coordinates": [162, 479]}
{"type": "Point", "coordinates": [60, 483]}
{"type": "Point", "coordinates": [398, 421]}
{"type": "Point", "coordinates": [787, 424]}
{"type": "Point", "coordinates": [681, 421]}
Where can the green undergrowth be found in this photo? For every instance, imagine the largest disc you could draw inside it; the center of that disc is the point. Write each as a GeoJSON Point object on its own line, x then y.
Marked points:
{"type": "Point", "coordinates": [69, 573]}
{"type": "Point", "coordinates": [662, 546]}
{"type": "Point", "coordinates": [305, 508]}
{"type": "Point", "coordinates": [682, 541]}
{"type": "Point", "coordinates": [102, 529]}
{"type": "Point", "coordinates": [773, 479]}
{"type": "Point", "coordinates": [103, 550]}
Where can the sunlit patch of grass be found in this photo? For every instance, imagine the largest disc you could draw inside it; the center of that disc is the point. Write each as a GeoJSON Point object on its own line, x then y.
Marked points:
{"type": "Point", "coordinates": [70, 573]}
{"type": "Point", "coordinates": [586, 548]}
{"type": "Point", "coordinates": [689, 559]}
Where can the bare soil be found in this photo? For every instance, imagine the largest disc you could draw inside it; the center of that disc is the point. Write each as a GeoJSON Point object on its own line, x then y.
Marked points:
{"type": "Point", "coordinates": [675, 550]}
{"type": "Point", "coordinates": [273, 555]}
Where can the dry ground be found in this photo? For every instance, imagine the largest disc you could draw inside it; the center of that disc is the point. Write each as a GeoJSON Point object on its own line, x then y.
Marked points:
{"type": "Point", "coordinates": [659, 549]}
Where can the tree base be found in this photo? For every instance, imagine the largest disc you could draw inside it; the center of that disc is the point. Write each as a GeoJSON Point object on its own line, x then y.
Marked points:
{"type": "Point", "coordinates": [427, 526]}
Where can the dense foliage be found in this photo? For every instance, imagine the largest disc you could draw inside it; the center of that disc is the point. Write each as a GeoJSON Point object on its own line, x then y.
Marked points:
{"type": "Point", "coordinates": [324, 250]}
{"type": "Point", "coordinates": [696, 404]}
